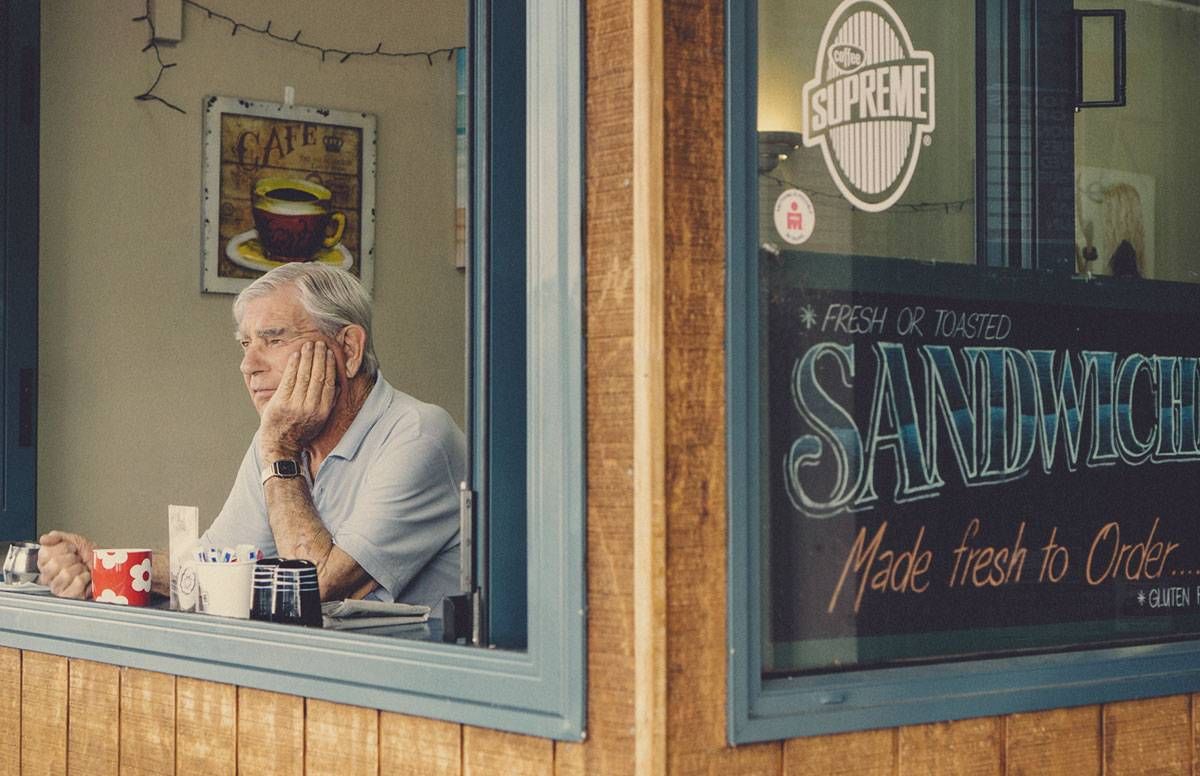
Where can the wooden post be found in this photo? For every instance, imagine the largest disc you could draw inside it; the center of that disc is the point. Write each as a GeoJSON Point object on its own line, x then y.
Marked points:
{"type": "Point", "coordinates": [649, 392]}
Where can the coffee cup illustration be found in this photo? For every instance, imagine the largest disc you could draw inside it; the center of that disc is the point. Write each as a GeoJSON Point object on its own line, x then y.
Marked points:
{"type": "Point", "coordinates": [294, 218]}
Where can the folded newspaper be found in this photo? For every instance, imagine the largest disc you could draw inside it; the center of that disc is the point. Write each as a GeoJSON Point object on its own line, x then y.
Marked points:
{"type": "Point", "coordinates": [354, 614]}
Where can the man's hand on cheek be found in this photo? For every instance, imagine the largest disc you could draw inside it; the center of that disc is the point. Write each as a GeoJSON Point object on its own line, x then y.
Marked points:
{"type": "Point", "coordinates": [301, 404]}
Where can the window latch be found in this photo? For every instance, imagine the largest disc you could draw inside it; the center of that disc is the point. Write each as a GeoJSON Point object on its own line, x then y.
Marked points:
{"type": "Point", "coordinates": [462, 614]}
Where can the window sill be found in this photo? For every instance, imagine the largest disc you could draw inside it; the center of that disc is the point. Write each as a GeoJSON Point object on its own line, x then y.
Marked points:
{"type": "Point", "coordinates": [408, 676]}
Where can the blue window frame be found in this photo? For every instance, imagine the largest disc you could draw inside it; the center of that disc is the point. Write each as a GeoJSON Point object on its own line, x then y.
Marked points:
{"type": "Point", "coordinates": [499, 410]}
{"type": "Point", "coordinates": [19, 65]}
{"type": "Point", "coordinates": [1020, 247]}
{"type": "Point", "coordinates": [538, 690]}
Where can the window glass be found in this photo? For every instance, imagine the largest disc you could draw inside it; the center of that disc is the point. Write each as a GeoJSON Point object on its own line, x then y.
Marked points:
{"type": "Point", "coordinates": [973, 461]}
{"type": "Point", "coordinates": [866, 120]}
{"type": "Point", "coordinates": [1136, 165]}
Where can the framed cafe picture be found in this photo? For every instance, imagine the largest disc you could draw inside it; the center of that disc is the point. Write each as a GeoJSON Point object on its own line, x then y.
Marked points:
{"type": "Point", "coordinates": [285, 183]}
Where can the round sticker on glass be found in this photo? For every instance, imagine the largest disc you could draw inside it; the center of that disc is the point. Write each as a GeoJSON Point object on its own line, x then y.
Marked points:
{"type": "Point", "coordinates": [794, 216]}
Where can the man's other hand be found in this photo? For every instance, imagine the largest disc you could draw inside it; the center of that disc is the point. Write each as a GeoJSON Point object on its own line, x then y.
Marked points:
{"type": "Point", "coordinates": [301, 404]}
{"type": "Point", "coordinates": [65, 563]}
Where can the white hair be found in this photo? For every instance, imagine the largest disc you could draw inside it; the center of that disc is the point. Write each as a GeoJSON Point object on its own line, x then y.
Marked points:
{"type": "Point", "coordinates": [332, 297]}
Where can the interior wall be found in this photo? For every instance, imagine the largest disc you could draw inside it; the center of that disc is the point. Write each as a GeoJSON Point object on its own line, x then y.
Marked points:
{"type": "Point", "coordinates": [935, 218]}
{"type": "Point", "coordinates": [1148, 142]}
{"type": "Point", "coordinates": [140, 400]}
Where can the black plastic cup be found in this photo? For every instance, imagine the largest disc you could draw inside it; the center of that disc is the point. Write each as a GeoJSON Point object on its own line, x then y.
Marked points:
{"type": "Point", "coordinates": [297, 596]}
{"type": "Point", "coordinates": [262, 594]}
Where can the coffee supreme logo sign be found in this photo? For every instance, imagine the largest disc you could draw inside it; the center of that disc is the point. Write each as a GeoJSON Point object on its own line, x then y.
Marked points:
{"type": "Point", "coordinates": [871, 105]}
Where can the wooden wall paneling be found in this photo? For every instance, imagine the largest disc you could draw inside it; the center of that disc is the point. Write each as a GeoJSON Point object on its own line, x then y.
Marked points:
{"type": "Point", "coordinates": [694, 206]}
{"type": "Point", "coordinates": [649, 397]}
{"type": "Point", "coordinates": [93, 719]}
{"type": "Point", "coordinates": [609, 748]}
{"type": "Point", "coordinates": [487, 752]}
{"type": "Point", "coordinates": [206, 717]}
{"type": "Point", "coordinates": [10, 705]}
{"type": "Point", "coordinates": [340, 740]}
{"type": "Point", "coordinates": [270, 733]}
{"type": "Point", "coordinates": [1195, 734]}
{"type": "Point", "coordinates": [1059, 741]}
{"type": "Point", "coordinates": [43, 714]}
{"type": "Point", "coordinates": [970, 747]}
{"type": "Point", "coordinates": [412, 746]}
{"type": "Point", "coordinates": [570, 758]}
{"type": "Point", "coordinates": [1152, 736]}
{"type": "Point", "coordinates": [147, 723]}
{"type": "Point", "coordinates": [868, 753]}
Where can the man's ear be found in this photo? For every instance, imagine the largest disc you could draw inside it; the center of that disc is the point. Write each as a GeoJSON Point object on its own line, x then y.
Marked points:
{"type": "Point", "coordinates": [353, 340]}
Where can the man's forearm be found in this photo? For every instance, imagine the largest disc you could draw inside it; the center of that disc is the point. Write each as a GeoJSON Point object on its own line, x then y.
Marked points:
{"type": "Point", "coordinates": [294, 521]}
{"type": "Point", "coordinates": [299, 533]}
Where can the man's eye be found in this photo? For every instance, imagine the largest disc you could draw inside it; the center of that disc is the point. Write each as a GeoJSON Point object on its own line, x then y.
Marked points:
{"type": "Point", "coordinates": [244, 343]}
{"type": "Point", "coordinates": [275, 341]}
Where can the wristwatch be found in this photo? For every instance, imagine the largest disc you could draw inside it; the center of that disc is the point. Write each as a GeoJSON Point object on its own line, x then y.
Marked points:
{"type": "Point", "coordinates": [286, 469]}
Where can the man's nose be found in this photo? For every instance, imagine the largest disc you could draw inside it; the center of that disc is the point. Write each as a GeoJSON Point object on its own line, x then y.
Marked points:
{"type": "Point", "coordinates": [251, 360]}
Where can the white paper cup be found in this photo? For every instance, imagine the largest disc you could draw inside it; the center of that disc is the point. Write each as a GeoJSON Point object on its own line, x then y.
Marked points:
{"type": "Point", "coordinates": [187, 590]}
{"type": "Point", "coordinates": [224, 588]}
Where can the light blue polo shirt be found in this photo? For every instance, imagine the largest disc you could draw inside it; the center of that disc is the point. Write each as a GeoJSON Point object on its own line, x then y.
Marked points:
{"type": "Point", "coordinates": [388, 494]}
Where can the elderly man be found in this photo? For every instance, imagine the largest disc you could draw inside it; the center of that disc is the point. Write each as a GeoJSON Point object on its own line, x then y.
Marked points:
{"type": "Point", "coordinates": [344, 471]}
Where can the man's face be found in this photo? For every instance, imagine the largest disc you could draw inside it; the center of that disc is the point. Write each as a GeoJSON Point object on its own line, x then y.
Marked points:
{"type": "Point", "coordinates": [272, 328]}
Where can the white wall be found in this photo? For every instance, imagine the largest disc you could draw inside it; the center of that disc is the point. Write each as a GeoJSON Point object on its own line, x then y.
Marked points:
{"type": "Point", "coordinates": [140, 400]}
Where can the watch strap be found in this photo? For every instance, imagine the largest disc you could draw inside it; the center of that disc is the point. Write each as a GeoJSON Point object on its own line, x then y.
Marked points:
{"type": "Point", "coordinates": [285, 469]}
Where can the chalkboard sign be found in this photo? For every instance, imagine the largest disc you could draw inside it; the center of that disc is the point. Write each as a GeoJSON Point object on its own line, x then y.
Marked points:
{"type": "Point", "coordinates": [949, 479]}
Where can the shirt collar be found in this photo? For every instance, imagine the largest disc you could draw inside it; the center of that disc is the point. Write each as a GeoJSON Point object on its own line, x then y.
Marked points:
{"type": "Point", "coordinates": [378, 400]}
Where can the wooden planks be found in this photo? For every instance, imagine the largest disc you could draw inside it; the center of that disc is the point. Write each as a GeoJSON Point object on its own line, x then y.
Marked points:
{"type": "Point", "coordinates": [340, 740]}
{"type": "Point", "coordinates": [43, 714]}
{"type": "Point", "coordinates": [970, 747]}
{"type": "Point", "coordinates": [147, 723]}
{"type": "Point", "coordinates": [694, 265]}
{"type": "Point", "coordinates": [411, 746]}
{"type": "Point", "coordinates": [487, 752]}
{"type": "Point", "coordinates": [1055, 741]}
{"type": "Point", "coordinates": [10, 705]}
{"type": "Point", "coordinates": [94, 714]}
{"type": "Point", "coordinates": [1195, 701]}
{"type": "Point", "coordinates": [73, 710]}
{"type": "Point", "coordinates": [1148, 737]}
{"type": "Point", "coordinates": [570, 758]}
{"type": "Point", "coordinates": [869, 753]}
{"type": "Point", "coordinates": [609, 353]}
{"type": "Point", "coordinates": [649, 396]}
{"type": "Point", "coordinates": [206, 728]}
{"type": "Point", "coordinates": [270, 733]}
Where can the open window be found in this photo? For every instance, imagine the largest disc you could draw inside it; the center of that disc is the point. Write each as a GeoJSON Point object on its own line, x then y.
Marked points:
{"type": "Point", "coordinates": [523, 409]}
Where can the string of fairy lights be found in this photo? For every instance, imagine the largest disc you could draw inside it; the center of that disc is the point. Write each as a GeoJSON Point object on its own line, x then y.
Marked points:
{"type": "Point", "coordinates": [295, 39]}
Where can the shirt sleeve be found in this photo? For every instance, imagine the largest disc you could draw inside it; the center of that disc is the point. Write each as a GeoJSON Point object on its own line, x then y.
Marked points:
{"type": "Point", "coordinates": [243, 519]}
{"type": "Point", "coordinates": [406, 513]}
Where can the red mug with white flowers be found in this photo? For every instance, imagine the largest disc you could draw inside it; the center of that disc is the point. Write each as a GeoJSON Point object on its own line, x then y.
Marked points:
{"type": "Point", "coordinates": [121, 576]}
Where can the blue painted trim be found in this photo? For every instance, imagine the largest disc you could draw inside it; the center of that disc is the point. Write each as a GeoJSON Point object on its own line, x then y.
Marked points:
{"type": "Point", "coordinates": [506, 494]}
{"type": "Point", "coordinates": [477, 263]}
{"type": "Point", "coordinates": [786, 708]}
{"type": "Point", "coordinates": [762, 710]}
{"type": "Point", "coordinates": [742, 361]}
{"type": "Point", "coordinates": [555, 348]}
{"type": "Point", "coordinates": [19, 128]}
{"type": "Point", "coordinates": [539, 691]}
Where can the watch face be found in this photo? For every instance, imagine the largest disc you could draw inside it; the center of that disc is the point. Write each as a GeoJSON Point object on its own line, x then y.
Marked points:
{"type": "Point", "coordinates": [286, 468]}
